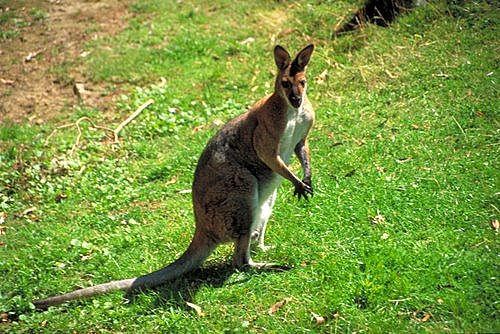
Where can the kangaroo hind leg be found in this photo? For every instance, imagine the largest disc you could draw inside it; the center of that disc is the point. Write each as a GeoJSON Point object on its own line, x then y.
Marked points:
{"type": "Point", "coordinates": [242, 258]}
{"type": "Point", "coordinates": [263, 214]}
{"type": "Point", "coordinates": [246, 221]}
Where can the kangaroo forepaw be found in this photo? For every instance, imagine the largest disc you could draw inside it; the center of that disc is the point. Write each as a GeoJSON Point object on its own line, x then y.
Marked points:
{"type": "Point", "coordinates": [303, 190]}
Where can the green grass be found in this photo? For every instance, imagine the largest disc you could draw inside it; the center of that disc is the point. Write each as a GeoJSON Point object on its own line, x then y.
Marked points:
{"type": "Point", "coordinates": [396, 239]}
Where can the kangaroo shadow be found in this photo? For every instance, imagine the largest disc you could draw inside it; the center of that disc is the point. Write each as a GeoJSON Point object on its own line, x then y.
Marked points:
{"type": "Point", "coordinates": [183, 289]}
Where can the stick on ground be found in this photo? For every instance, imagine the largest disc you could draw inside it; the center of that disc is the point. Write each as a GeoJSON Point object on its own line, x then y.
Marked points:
{"type": "Point", "coordinates": [131, 118]}
{"type": "Point", "coordinates": [93, 125]}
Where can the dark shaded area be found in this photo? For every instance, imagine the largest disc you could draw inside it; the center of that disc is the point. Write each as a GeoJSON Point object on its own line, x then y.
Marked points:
{"type": "Point", "coordinates": [379, 12]}
{"type": "Point", "coordinates": [183, 289]}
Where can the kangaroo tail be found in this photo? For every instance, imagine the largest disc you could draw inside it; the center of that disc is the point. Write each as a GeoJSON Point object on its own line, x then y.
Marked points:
{"type": "Point", "coordinates": [198, 251]}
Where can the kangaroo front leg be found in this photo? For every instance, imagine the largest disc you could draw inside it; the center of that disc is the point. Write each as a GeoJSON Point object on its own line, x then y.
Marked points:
{"type": "Point", "coordinates": [269, 154]}
{"type": "Point", "coordinates": [302, 153]}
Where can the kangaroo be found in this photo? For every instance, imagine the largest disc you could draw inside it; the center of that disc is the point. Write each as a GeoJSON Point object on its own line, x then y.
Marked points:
{"type": "Point", "coordinates": [236, 179]}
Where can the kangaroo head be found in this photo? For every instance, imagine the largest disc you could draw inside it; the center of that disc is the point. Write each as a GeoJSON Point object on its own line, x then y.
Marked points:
{"type": "Point", "coordinates": [291, 81]}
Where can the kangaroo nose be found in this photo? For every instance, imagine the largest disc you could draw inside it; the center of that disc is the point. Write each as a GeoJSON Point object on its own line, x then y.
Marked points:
{"type": "Point", "coordinates": [295, 101]}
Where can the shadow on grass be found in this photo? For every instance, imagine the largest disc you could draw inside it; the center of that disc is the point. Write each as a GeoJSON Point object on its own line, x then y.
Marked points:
{"type": "Point", "coordinates": [183, 289]}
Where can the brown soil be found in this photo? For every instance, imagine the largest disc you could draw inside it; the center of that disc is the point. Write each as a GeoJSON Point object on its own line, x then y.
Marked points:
{"type": "Point", "coordinates": [42, 67]}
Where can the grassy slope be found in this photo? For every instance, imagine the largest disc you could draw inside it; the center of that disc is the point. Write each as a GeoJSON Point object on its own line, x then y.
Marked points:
{"type": "Point", "coordinates": [396, 238]}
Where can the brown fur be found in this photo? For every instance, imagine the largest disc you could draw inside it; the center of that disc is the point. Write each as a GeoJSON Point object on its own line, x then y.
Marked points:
{"type": "Point", "coordinates": [236, 178]}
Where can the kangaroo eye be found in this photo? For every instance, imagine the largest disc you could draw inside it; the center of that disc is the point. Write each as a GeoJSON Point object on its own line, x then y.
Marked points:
{"type": "Point", "coordinates": [286, 84]}
{"type": "Point", "coordinates": [303, 83]}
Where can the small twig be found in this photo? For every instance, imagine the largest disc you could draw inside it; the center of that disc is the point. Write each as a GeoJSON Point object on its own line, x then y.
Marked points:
{"type": "Point", "coordinates": [77, 141]}
{"type": "Point", "coordinates": [362, 74]}
{"type": "Point", "coordinates": [397, 301]}
{"type": "Point", "coordinates": [130, 119]}
{"type": "Point", "coordinates": [459, 126]}
{"type": "Point", "coordinates": [479, 244]}
{"type": "Point", "coordinates": [27, 212]}
{"type": "Point", "coordinates": [77, 125]}
{"type": "Point", "coordinates": [55, 130]}
{"type": "Point", "coordinates": [93, 125]}
{"type": "Point", "coordinates": [32, 55]}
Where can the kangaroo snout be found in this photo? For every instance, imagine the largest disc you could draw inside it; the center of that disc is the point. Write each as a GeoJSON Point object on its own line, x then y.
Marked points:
{"type": "Point", "coordinates": [295, 101]}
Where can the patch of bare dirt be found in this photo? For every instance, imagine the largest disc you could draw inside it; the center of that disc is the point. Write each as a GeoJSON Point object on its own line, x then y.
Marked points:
{"type": "Point", "coordinates": [42, 56]}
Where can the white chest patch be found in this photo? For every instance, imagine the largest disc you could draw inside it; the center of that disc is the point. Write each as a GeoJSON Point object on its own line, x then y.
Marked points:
{"type": "Point", "coordinates": [298, 123]}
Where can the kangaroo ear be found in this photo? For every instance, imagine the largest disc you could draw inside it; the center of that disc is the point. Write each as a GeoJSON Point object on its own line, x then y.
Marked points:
{"type": "Point", "coordinates": [281, 57]}
{"type": "Point", "coordinates": [303, 57]}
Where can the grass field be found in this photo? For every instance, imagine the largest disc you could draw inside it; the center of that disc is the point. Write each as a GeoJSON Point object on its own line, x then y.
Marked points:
{"type": "Point", "coordinates": [397, 238]}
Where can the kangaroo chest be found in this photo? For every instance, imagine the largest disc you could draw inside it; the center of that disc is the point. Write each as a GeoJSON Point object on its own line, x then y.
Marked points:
{"type": "Point", "coordinates": [297, 124]}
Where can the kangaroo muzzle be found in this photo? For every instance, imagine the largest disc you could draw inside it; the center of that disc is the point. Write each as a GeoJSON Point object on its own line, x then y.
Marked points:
{"type": "Point", "coordinates": [295, 100]}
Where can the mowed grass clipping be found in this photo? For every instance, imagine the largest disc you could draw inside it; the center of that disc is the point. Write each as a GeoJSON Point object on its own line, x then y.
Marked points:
{"type": "Point", "coordinates": [400, 236]}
